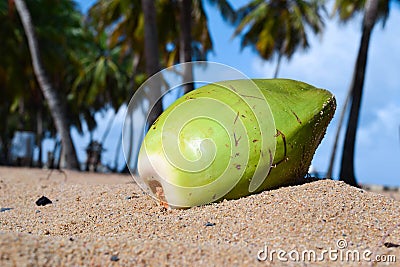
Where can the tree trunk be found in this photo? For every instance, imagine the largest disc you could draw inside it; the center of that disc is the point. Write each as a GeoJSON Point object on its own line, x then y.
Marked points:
{"type": "Point", "coordinates": [278, 65]}
{"type": "Point", "coordinates": [39, 135]}
{"type": "Point", "coordinates": [56, 106]}
{"type": "Point", "coordinates": [4, 139]}
{"type": "Point", "coordinates": [185, 42]}
{"type": "Point", "coordinates": [347, 165]}
{"type": "Point", "coordinates": [152, 55]}
{"type": "Point", "coordinates": [5, 133]}
{"type": "Point", "coordinates": [338, 130]}
{"type": "Point", "coordinates": [150, 37]}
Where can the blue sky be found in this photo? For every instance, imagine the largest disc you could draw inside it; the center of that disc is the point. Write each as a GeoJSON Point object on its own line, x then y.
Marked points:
{"type": "Point", "coordinates": [327, 64]}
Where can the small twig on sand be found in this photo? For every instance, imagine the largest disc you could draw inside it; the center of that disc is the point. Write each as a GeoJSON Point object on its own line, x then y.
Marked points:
{"type": "Point", "coordinates": [388, 233]}
{"type": "Point", "coordinates": [382, 242]}
{"type": "Point", "coordinates": [60, 171]}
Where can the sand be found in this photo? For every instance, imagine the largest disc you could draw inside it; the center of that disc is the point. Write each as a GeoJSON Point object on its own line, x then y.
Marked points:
{"type": "Point", "coordinates": [106, 220]}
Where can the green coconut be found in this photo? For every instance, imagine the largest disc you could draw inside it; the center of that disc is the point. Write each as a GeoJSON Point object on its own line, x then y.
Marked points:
{"type": "Point", "coordinates": [233, 138]}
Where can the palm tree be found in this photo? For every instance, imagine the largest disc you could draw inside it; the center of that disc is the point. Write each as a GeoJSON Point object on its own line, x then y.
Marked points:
{"type": "Point", "coordinates": [151, 53]}
{"type": "Point", "coordinates": [58, 29]}
{"type": "Point", "coordinates": [150, 37]}
{"type": "Point", "coordinates": [176, 31]}
{"type": "Point", "coordinates": [185, 42]}
{"type": "Point", "coordinates": [187, 10]}
{"type": "Point", "coordinates": [373, 11]}
{"type": "Point", "coordinates": [102, 79]}
{"type": "Point", "coordinates": [123, 20]}
{"type": "Point", "coordinates": [279, 27]}
{"type": "Point", "coordinates": [54, 101]}
{"type": "Point", "coordinates": [130, 25]}
{"type": "Point", "coordinates": [329, 173]}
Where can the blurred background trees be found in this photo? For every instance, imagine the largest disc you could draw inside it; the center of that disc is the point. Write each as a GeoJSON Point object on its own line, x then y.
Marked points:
{"type": "Point", "coordinates": [278, 27]}
{"type": "Point", "coordinates": [59, 36]}
{"type": "Point", "coordinates": [95, 61]}
{"type": "Point", "coordinates": [373, 11]}
{"type": "Point", "coordinates": [55, 103]}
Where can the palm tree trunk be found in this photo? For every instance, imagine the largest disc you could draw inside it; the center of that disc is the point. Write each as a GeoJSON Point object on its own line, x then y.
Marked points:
{"type": "Point", "coordinates": [278, 65]}
{"type": "Point", "coordinates": [56, 106]}
{"type": "Point", "coordinates": [338, 130]}
{"type": "Point", "coordinates": [150, 37]}
{"type": "Point", "coordinates": [4, 138]}
{"type": "Point", "coordinates": [152, 55]}
{"type": "Point", "coordinates": [39, 135]}
{"type": "Point", "coordinates": [347, 165]}
{"type": "Point", "coordinates": [185, 18]}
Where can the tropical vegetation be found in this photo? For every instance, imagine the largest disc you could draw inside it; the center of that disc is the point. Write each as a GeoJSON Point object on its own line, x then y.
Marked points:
{"type": "Point", "coordinates": [60, 67]}
{"type": "Point", "coordinates": [279, 28]}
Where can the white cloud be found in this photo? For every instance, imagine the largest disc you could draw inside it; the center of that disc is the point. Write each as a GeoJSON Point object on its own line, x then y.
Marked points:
{"type": "Point", "coordinates": [384, 128]}
{"type": "Point", "coordinates": [327, 64]}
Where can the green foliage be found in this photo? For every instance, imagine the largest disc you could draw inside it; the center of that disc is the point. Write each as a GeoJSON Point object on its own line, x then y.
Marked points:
{"type": "Point", "coordinates": [279, 27]}
{"type": "Point", "coordinates": [123, 22]}
{"type": "Point", "coordinates": [347, 9]}
{"type": "Point", "coordinates": [61, 37]}
{"type": "Point", "coordinates": [101, 75]}
{"type": "Point", "coordinates": [96, 62]}
{"type": "Point", "coordinates": [78, 60]}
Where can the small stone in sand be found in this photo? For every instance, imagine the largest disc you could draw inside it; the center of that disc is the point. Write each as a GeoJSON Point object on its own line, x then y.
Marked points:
{"type": "Point", "coordinates": [114, 258]}
{"type": "Point", "coordinates": [5, 209]}
{"type": "Point", "coordinates": [391, 245]}
{"type": "Point", "coordinates": [43, 201]}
